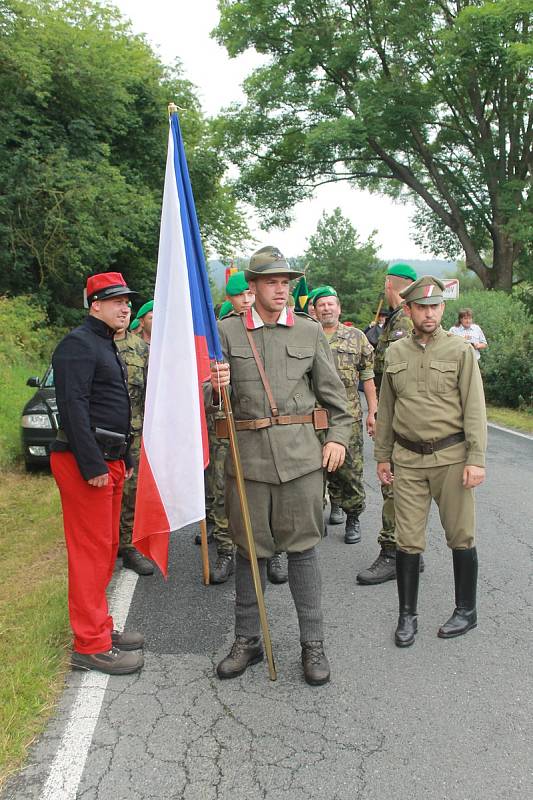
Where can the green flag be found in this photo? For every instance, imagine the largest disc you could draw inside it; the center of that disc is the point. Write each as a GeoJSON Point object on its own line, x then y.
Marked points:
{"type": "Point", "coordinates": [301, 296]}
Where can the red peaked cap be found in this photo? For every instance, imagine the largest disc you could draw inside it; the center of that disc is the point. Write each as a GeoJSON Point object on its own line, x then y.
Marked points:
{"type": "Point", "coordinates": [106, 285]}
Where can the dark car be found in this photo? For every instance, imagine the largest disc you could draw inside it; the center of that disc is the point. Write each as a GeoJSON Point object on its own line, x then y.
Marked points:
{"type": "Point", "coordinates": [39, 421]}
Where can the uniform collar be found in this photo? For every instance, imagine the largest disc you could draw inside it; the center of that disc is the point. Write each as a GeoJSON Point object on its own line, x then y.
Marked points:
{"type": "Point", "coordinates": [97, 326]}
{"type": "Point", "coordinates": [254, 321]}
{"type": "Point", "coordinates": [437, 333]}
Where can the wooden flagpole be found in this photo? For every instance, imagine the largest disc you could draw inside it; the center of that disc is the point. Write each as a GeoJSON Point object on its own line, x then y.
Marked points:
{"type": "Point", "coordinates": [205, 551]}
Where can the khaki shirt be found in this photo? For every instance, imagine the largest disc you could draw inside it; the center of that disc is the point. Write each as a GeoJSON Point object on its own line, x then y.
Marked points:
{"type": "Point", "coordinates": [396, 327]}
{"type": "Point", "coordinates": [134, 353]}
{"type": "Point", "coordinates": [354, 359]}
{"type": "Point", "coordinates": [301, 372]}
{"type": "Point", "coordinates": [428, 393]}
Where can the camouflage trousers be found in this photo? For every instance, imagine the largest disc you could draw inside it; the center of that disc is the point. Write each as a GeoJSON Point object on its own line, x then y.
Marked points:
{"type": "Point", "coordinates": [387, 534]}
{"type": "Point", "coordinates": [215, 491]}
{"type": "Point", "coordinates": [345, 486]}
{"type": "Point", "coordinates": [128, 498]}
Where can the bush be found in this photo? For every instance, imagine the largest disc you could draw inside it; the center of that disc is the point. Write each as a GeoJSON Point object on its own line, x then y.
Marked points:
{"type": "Point", "coordinates": [507, 364]}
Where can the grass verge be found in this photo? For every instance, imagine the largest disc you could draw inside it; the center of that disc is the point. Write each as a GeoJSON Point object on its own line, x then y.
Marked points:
{"type": "Point", "coordinates": [511, 418]}
{"type": "Point", "coordinates": [34, 630]}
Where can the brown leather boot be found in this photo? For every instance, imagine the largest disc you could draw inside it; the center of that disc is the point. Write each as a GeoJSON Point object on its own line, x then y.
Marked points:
{"type": "Point", "coordinates": [244, 652]}
{"type": "Point", "coordinates": [315, 663]}
{"type": "Point", "coordinates": [127, 640]}
{"type": "Point", "coordinates": [113, 662]}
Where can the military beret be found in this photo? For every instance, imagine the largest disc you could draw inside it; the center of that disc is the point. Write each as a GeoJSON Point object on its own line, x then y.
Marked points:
{"type": "Point", "coordinates": [135, 324]}
{"type": "Point", "coordinates": [323, 291]}
{"type": "Point", "coordinates": [149, 306]}
{"type": "Point", "coordinates": [105, 285]}
{"type": "Point", "coordinates": [426, 291]}
{"type": "Point", "coordinates": [402, 270]}
{"type": "Point", "coordinates": [236, 284]}
{"type": "Point", "coordinates": [269, 261]}
{"type": "Point", "coordinates": [225, 309]}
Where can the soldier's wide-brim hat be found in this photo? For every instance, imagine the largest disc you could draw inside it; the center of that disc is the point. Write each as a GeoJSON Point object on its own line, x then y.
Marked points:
{"type": "Point", "coordinates": [269, 261]}
{"type": "Point", "coordinates": [106, 285]}
{"type": "Point", "coordinates": [426, 291]}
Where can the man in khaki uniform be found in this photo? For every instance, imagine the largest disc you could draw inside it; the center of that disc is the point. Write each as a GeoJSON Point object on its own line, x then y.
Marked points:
{"type": "Point", "coordinates": [432, 425]}
{"type": "Point", "coordinates": [354, 358]}
{"type": "Point", "coordinates": [397, 326]}
{"type": "Point", "coordinates": [134, 353]}
{"type": "Point", "coordinates": [282, 457]}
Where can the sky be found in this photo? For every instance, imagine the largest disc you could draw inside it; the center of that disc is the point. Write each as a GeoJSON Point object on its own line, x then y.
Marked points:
{"type": "Point", "coordinates": [181, 30]}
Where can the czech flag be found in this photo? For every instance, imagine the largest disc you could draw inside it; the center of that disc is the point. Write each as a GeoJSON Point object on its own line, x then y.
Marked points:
{"type": "Point", "coordinates": [175, 449]}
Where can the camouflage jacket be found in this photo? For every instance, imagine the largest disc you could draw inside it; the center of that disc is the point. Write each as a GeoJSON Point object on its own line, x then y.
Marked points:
{"type": "Point", "coordinates": [134, 353]}
{"type": "Point", "coordinates": [354, 359]}
{"type": "Point", "coordinates": [396, 327]}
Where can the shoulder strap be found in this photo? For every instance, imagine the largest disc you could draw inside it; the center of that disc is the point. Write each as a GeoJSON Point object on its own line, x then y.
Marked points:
{"type": "Point", "coordinates": [262, 373]}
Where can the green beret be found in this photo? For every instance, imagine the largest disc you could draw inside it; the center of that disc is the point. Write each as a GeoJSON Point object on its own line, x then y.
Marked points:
{"type": "Point", "coordinates": [323, 291]}
{"type": "Point", "coordinates": [402, 270]}
{"type": "Point", "coordinates": [149, 306]}
{"type": "Point", "coordinates": [135, 324]}
{"type": "Point", "coordinates": [236, 284]}
{"type": "Point", "coordinates": [269, 261]}
{"type": "Point", "coordinates": [225, 309]}
{"type": "Point", "coordinates": [426, 291]}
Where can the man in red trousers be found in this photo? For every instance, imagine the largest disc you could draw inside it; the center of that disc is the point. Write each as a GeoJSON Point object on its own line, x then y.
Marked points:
{"type": "Point", "coordinates": [90, 462]}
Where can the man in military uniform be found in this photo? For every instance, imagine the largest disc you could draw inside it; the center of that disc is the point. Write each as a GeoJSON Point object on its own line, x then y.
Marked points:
{"type": "Point", "coordinates": [354, 359]}
{"type": "Point", "coordinates": [134, 353]}
{"type": "Point", "coordinates": [397, 326]}
{"type": "Point", "coordinates": [89, 461]}
{"type": "Point", "coordinates": [432, 425]}
{"type": "Point", "coordinates": [282, 457]}
{"type": "Point", "coordinates": [144, 317]}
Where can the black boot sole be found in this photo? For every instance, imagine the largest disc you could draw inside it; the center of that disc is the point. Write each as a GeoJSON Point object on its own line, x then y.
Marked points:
{"type": "Point", "coordinates": [316, 682]}
{"type": "Point", "coordinates": [255, 660]}
{"type": "Point", "coordinates": [443, 635]}
{"type": "Point", "coordinates": [404, 644]}
{"type": "Point", "coordinates": [363, 582]}
{"type": "Point", "coordinates": [351, 541]}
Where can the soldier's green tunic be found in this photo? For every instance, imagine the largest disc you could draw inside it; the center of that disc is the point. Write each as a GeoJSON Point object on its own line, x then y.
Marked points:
{"type": "Point", "coordinates": [428, 393]}
{"type": "Point", "coordinates": [397, 327]}
{"type": "Point", "coordinates": [134, 353]}
{"type": "Point", "coordinates": [282, 465]}
{"type": "Point", "coordinates": [354, 358]}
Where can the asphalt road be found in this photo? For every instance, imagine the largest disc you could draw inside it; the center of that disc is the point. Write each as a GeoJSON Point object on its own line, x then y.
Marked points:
{"type": "Point", "coordinates": [450, 720]}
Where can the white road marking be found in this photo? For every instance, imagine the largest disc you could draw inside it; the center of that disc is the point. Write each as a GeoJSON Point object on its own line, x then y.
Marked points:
{"type": "Point", "coordinates": [67, 767]}
{"type": "Point", "coordinates": [509, 430]}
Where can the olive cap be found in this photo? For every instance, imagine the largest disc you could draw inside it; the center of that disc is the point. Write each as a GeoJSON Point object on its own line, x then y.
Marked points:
{"type": "Point", "coordinates": [236, 284]}
{"type": "Point", "coordinates": [269, 261]}
{"type": "Point", "coordinates": [426, 291]}
{"type": "Point", "coordinates": [402, 270]}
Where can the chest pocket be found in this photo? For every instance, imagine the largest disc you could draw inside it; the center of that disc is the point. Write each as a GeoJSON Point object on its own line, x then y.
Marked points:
{"type": "Point", "coordinates": [299, 361]}
{"type": "Point", "coordinates": [442, 376]}
{"type": "Point", "coordinates": [398, 376]}
{"type": "Point", "coordinates": [243, 366]}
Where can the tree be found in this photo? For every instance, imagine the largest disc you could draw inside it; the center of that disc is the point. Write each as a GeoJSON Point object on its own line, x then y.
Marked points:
{"type": "Point", "coordinates": [83, 138]}
{"type": "Point", "coordinates": [426, 97]}
{"type": "Point", "coordinates": [336, 257]}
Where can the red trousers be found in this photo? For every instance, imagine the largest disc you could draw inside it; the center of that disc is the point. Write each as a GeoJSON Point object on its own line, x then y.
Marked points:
{"type": "Point", "coordinates": [91, 518]}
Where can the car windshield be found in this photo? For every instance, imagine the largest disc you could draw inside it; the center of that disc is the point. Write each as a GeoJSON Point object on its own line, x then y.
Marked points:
{"type": "Point", "coordinates": [48, 380]}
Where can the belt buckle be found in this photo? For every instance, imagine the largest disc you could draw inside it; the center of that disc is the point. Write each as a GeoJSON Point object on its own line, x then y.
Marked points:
{"type": "Point", "coordinates": [427, 448]}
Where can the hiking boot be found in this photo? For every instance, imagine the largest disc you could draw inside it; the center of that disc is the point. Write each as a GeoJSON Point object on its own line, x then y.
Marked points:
{"type": "Point", "coordinates": [132, 559]}
{"type": "Point", "coordinates": [244, 652]}
{"type": "Point", "coordinates": [127, 640]}
{"type": "Point", "coordinates": [113, 662]}
{"type": "Point", "coordinates": [224, 567]}
{"type": "Point", "coordinates": [315, 663]}
{"type": "Point", "coordinates": [352, 532]}
{"type": "Point", "coordinates": [276, 569]}
{"type": "Point", "coordinates": [336, 515]}
{"type": "Point", "coordinates": [383, 569]}
{"type": "Point", "coordinates": [464, 617]}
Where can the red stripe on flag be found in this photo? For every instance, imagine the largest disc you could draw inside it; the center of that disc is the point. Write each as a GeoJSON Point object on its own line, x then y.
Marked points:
{"type": "Point", "coordinates": [150, 516]}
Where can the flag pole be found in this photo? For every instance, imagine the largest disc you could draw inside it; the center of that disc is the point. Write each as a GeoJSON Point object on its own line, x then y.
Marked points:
{"type": "Point", "coordinates": [234, 447]}
{"type": "Point", "coordinates": [204, 549]}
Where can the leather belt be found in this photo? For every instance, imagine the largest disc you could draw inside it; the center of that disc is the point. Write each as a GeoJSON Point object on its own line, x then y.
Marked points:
{"type": "Point", "coordinates": [267, 422]}
{"type": "Point", "coordinates": [427, 448]}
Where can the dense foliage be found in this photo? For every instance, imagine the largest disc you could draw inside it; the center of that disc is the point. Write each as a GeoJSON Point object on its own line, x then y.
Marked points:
{"type": "Point", "coordinates": [507, 363]}
{"type": "Point", "coordinates": [83, 139]}
{"type": "Point", "coordinates": [430, 97]}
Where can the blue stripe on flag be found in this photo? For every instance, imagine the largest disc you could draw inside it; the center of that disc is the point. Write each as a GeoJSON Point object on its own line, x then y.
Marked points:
{"type": "Point", "coordinates": [204, 320]}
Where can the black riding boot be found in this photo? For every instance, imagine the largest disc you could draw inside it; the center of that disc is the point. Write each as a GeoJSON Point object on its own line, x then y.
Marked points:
{"type": "Point", "coordinates": [464, 616]}
{"type": "Point", "coordinates": [407, 575]}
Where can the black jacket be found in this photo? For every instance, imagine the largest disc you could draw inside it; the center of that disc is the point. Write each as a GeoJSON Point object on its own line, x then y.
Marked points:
{"type": "Point", "coordinates": [91, 391]}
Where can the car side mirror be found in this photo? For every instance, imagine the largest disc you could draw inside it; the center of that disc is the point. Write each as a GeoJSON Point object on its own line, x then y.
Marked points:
{"type": "Point", "coordinates": [35, 382]}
